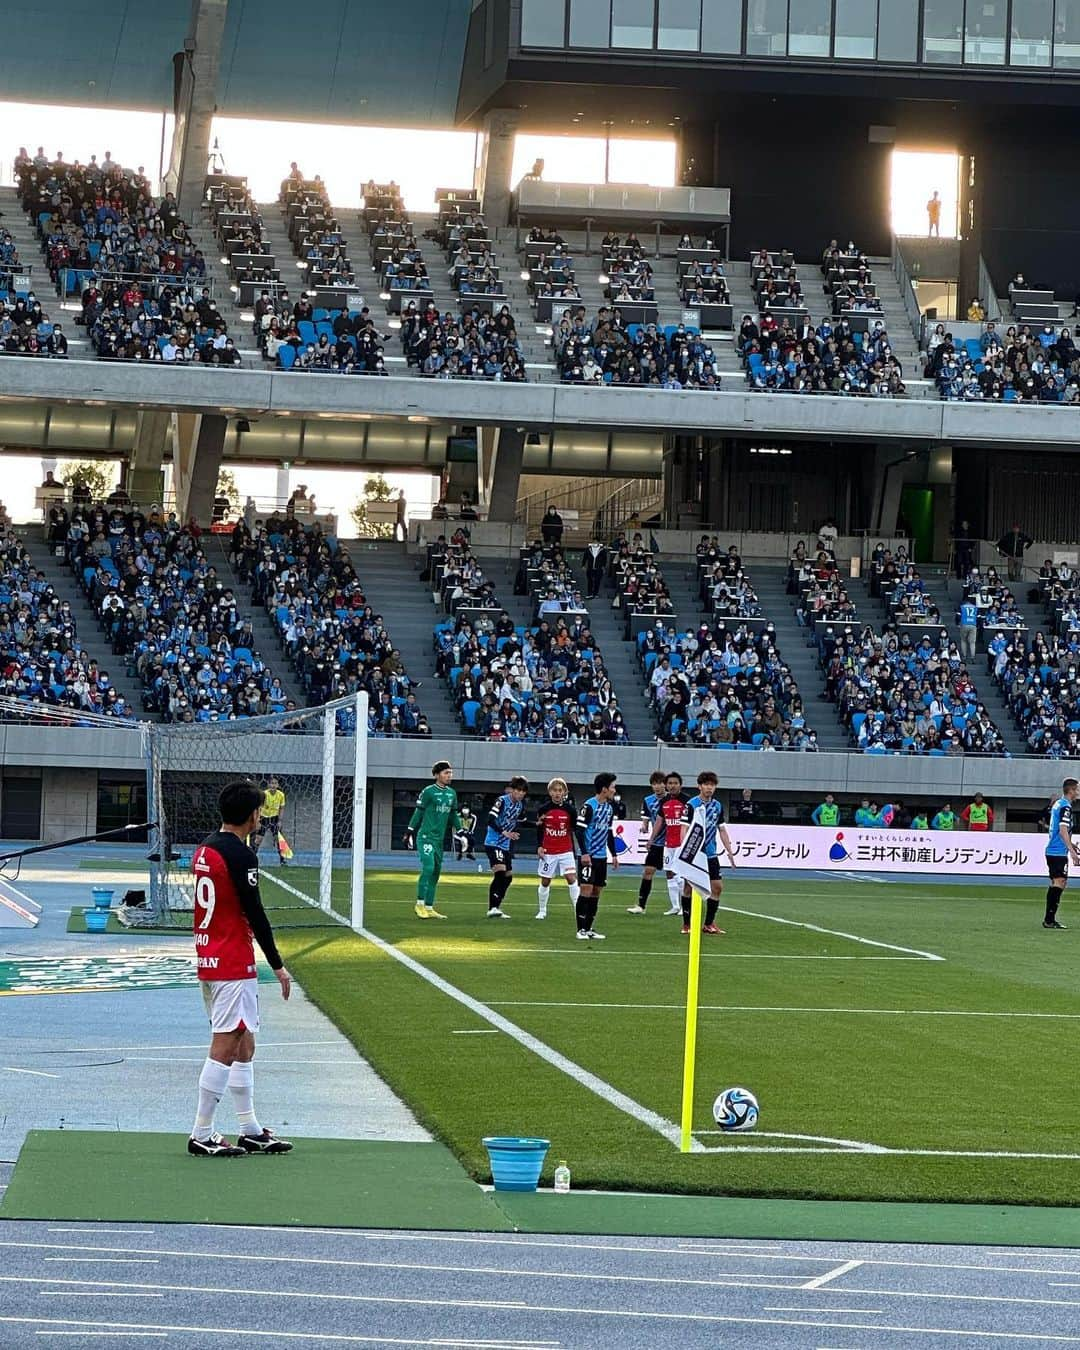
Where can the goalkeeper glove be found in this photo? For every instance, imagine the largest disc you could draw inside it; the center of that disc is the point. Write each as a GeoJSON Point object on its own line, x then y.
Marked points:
{"type": "Point", "coordinates": [410, 839]}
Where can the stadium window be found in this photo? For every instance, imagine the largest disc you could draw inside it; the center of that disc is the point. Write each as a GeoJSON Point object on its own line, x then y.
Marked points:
{"type": "Point", "coordinates": [766, 28]}
{"type": "Point", "coordinates": [898, 31]}
{"type": "Point", "coordinates": [916, 175]}
{"type": "Point", "coordinates": [721, 26]}
{"type": "Point", "coordinates": [632, 23]}
{"type": "Point", "coordinates": [984, 33]}
{"type": "Point", "coordinates": [856, 26]}
{"type": "Point", "coordinates": [1067, 34]}
{"type": "Point", "coordinates": [590, 23]}
{"type": "Point", "coordinates": [1032, 30]}
{"type": "Point", "coordinates": [679, 29]}
{"type": "Point", "coordinates": [809, 22]}
{"type": "Point", "coordinates": [543, 23]}
{"type": "Point", "coordinates": [943, 32]}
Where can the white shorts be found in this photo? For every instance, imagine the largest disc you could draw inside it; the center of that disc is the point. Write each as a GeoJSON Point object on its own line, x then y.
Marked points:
{"type": "Point", "coordinates": [556, 865]}
{"type": "Point", "coordinates": [232, 1004]}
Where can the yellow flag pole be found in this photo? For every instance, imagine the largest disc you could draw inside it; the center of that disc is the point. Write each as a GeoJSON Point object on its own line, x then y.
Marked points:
{"type": "Point", "coordinates": [690, 1039]}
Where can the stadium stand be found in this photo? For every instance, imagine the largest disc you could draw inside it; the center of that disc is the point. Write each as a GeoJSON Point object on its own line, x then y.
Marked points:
{"type": "Point", "coordinates": [308, 585]}
{"type": "Point", "coordinates": [1025, 364]}
{"type": "Point", "coordinates": [544, 681]}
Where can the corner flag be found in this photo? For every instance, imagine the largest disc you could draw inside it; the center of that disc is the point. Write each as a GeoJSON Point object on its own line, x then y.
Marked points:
{"type": "Point", "coordinates": [690, 862]}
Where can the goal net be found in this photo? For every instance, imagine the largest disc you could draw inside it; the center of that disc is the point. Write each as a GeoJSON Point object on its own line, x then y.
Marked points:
{"type": "Point", "coordinates": [311, 844]}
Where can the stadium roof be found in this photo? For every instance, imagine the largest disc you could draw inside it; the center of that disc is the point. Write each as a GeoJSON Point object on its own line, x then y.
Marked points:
{"type": "Point", "coordinates": [351, 61]}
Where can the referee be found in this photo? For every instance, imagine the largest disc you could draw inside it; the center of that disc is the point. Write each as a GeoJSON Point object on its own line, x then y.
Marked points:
{"type": "Point", "coordinates": [270, 823]}
{"type": "Point", "coordinates": [1059, 850]}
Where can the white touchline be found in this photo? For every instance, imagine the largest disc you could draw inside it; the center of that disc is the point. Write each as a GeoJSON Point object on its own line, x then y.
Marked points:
{"type": "Point", "coordinates": [819, 1280]}
{"type": "Point", "coordinates": [33, 1073]}
{"type": "Point", "coordinates": [667, 1129]}
{"type": "Point", "coordinates": [894, 1152]}
{"type": "Point", "coordinates": [854, 1145]}
{"type": "Point", "coordinates": [478, 1031]}
{"type": "Point", "coordinates": [832, 932]}
{"type": "Point", "coordinates": [812, 1308]}
{"type": "Point", "coordinates": [448, 955]}
{"type": "Point", "coordinates": [166, 1329]}
{"type": "Point", "coordinates": [765, 1008]}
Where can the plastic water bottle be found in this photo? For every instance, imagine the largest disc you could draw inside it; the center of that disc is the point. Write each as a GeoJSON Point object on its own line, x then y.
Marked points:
{"type": "Point", "coordinates": [562, 1178]}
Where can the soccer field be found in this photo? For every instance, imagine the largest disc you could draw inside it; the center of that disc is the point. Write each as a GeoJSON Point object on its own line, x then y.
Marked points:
{"type": "Point", "coordinates": [905, 1041]}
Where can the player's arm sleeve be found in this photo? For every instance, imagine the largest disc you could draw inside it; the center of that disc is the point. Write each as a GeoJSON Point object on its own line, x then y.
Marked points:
{"type": "Point", "coordinates": [584, 819]}
{"type": "Point", "coordinates": [418, 812]}
{"type": "Point", "coordinates": [243, 868]}
{"type": "Point", "coordinates": [494, 814]}
{"type": "Point", "coordinates": [815, 815]}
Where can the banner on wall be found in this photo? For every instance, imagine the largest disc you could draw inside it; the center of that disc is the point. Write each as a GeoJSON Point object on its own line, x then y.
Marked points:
{"type": "Point", "coordinates": [840, 849]}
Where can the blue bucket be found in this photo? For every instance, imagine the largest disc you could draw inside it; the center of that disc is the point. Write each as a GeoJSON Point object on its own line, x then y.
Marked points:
{"type": "Point", "coordinates": [97, 920]}
{"type": "Point", "coordinates": [516, 1161]}
{"type": "Point", "coordinates": [102, 896]}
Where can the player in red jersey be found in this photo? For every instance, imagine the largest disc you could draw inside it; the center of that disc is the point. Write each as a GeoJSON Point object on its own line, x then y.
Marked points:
{"type": "Point", "coordinates": [229, 919]}
{"type": "Point", "coordinates": [671, 821]}
{"type": "Point", "coordinates": [555, 833]}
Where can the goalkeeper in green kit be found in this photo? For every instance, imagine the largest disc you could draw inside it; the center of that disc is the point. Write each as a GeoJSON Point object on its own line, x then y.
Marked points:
{"type": "Point", "coordinates": [436, 807]}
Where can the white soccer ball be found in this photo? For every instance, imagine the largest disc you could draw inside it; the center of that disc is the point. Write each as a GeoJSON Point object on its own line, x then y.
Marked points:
{"type": "Point", "coordinates": [736, 1109]}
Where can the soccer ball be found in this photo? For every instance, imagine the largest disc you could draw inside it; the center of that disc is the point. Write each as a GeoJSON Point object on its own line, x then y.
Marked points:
{"type": "Point", "coordinates": [735, 1109]}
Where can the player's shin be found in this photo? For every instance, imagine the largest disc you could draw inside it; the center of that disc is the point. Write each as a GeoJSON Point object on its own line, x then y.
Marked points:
{"type": "Point", "coordinates": [242, 1088]}
{"type": "Point", "coordinates": [213, 1080]}
{"type": "Point", "coordinates": [575, 891]}
{"type": "Point", "coordinates": [674, 890]}
{"type": "Point", "coordinates": [543, 895]}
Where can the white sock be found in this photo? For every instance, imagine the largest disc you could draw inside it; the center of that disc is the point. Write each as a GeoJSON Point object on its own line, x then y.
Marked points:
{"type": "Point", "coordinates": [575, 890]}
{"type": "Point", "coordinates": [213, 1081]}
{"type": "Point", "coordinates": [543, 894]}
{"type": "Point", "coordinates": [242, 1087]}
{"type": "Point", "coordinates": [674, 890]}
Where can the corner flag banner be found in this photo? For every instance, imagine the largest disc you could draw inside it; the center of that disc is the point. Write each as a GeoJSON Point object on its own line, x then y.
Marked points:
{"type": "Point", "coordinates": [283, 848]}
{"type": "Point", "coordinates": [690, 862]}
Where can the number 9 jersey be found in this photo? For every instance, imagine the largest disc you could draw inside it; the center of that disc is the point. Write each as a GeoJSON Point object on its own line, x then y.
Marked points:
{"type": "Point", "coordinates": [228, 910]}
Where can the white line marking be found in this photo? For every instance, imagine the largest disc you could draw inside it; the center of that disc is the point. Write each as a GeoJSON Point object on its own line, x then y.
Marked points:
{"type": "Point", "coordinates": [845, 1145]}
{"type": "Point", "coordinates": [758, 1008]}
{"type": "Point", "coordinates": [667, 1129]}
{"type": "Point", "coordinates": [681, 955]}
{"type": "Point", "coordinates": [833, 932]}
{"type": "Point", "coordinates": [93, 1232]}
{"type": "Point", "coordinates": [820, 1280]}
{"type": "Point", "coordinates": [892, 1152]}
{"type": "Point", "coordinates": [105, 1260]}
{"type": "Point", "coordinates": [713, 1319]}
{"type": "Point", "coordinates": [354, 1339]}
{"type": "Point", "coordinates": [34, 1073]}
{"type": "Point", "coordinates": [486, 1031]}
{"type": "Point", "coordinates": [135, 1335]}
{"type": "Point", "coordinates": [97, 1293]}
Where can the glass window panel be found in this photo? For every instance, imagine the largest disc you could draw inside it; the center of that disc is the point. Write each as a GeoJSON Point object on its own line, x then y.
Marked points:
{"type": "Point", "coordinates": [543, 23]}
{"type": "Point", "coordinates": [766, 28]}
{"type": "Point", "coordinates": [809, 22]}
{"type": "Point", "coordinates": [984, 32]}
{"type": "Point", "coordinates": [856, 26]}
{"type": "Point", "coordinates": [721, 25]}
{"type": "Point", "coordinates": [590, 22]}
{"type": "Point", "coordinates": [898, 31]}
{"type": "Point", "coordinates": [632, 23]}
{"type": "Point", "coordinates": [943, 32]}
{"type": "Point", "coordinates": [1067, 34]}
{"type": "Point", "coordinates": [678, 29]}
{"type": "Point", "coordinates": [1032, 28]}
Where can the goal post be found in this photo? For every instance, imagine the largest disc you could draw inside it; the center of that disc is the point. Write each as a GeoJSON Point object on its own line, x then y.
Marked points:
{"type": "Point", "coordinates": [311, 854]}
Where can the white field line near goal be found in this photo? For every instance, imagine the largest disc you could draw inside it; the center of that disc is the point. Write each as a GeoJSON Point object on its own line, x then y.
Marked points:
{"type": "Point", "coordinates": [309, 900]}
{"type": "Point", "coordinates": [664, 1127]}
{"type": "Point", "coordinates": [742, 1144]}
{"type": "Point", "coordinates": [753, 1008]}
{"type": "Point", "coordinates": [832, 932]}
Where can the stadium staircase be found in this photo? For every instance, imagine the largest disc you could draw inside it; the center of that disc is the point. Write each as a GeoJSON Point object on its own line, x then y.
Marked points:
{"type": "Point", "coordinates": [389, 582]}
{"type": "Point", "coordinates": [770, 583]}
{"type": "Point", "coordinates": [945, 593]}
{"type": "Point", "coordinates": [90, 632]}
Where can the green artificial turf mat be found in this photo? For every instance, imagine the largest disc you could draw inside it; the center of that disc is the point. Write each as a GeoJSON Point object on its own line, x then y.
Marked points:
{"type": "Point", "coordinates": [585, 1212]}
{"type": "Point", "coordinates": [77, 924]}
{"type": "Point", "coordinates": [331, 1183]}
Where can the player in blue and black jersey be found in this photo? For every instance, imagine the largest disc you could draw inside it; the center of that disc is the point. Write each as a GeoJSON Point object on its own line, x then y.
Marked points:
{"type": "Point", "coordinates": [502, 834]}
{"type": "Point", "coordinates": [715, 829]}
{"type": "Point", "coordinates": [1059, 850]}
{"type": "Point", "coordinates": [595, 838]}
{"type": "Point", "coordinates": [654, 857]}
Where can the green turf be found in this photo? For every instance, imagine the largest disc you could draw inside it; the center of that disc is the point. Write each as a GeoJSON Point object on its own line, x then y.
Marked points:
{"type": "Point", "coordinates": [793, 1027]}
{"type": "Point", "coordinates": [124, 1177]}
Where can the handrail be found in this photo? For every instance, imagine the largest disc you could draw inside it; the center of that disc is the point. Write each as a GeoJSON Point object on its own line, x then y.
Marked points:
{"type": "Point", "coordinates": [907, 291]}
{"type": "Point", "coordinates": [987, 292]}
{"type": "Point", "coordinates": [156, 279]}
{"type": "Point", "coordinates": [593, 499]}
